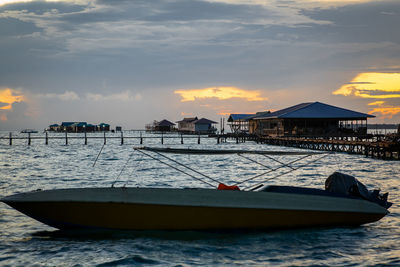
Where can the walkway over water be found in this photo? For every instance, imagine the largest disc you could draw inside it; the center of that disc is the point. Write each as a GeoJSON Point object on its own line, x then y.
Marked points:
{"type": "Point", "coordinates": [374, 146]}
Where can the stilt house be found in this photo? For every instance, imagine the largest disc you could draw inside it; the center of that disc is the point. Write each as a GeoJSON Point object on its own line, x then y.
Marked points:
{"type": "Point", "coordinates": [310, 119]}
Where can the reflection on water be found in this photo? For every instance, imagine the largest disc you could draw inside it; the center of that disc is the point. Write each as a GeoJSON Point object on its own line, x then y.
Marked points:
{"type": "Point", "coordinates": [24, 241]}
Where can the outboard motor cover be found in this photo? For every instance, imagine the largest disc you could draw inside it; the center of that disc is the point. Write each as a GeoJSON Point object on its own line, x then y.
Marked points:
{"type": "Point", "coordinates": [349, 185]}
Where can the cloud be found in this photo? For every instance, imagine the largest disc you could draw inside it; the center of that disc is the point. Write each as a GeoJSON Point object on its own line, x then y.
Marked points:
{"type": "Point", "coordinates": [372, 85]}
{"type": "Point", "coordinates": [8, 97]}
{"type": "Point", "coordinates": [78, 57]}
{"type": "Point", "coordinates": [385, 112]}
{"type": "Point", "coordinates": [66, 96]}
{"type": "Point", "coordinates": [125, 96]}
{"type": "Point", "coordinates": [376, 103]}
{"type": "Point", "coordinates": [220, 93]}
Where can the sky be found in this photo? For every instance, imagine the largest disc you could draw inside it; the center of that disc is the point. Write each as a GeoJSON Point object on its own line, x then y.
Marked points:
{"type": "Point", "coordinates": [128, 63]}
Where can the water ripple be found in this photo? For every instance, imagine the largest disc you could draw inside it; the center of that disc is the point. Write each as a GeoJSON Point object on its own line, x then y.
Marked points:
{"type": "Point", "coordinates": [26, 242]}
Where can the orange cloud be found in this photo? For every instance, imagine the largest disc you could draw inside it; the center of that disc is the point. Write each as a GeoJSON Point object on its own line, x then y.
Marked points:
{"type": "Point", "coordinates": [372, 85]}
{"type": "Point", "coordinates": [7, 98]}
{"type": "Point", "coordinates": [221, 93]}
{"type": "Point", "coordinates": [376, 103]}
{"type": "Point", "coordinates": [387, 112]}
{"type": "Point", "coordinates": [186, 114]}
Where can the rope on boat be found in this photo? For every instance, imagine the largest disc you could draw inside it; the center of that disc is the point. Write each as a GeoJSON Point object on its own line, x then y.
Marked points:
{"type": "Point", "coordinates": [123, 168]}
{"type": "Point", "coordinates": [187, 167]}
{"type": "Point", "coordinates": [293, 169]}
{"type": "Point", "coordinates": [272, 170]}
{"type": "Point", "coordinates": [98, 155]}
{"type": "Point", "coordinates": [280, 162]}
{"type": "Point", "coordinates": [171, 166]}
{"type": "Point", "coordinates": [254, 161]}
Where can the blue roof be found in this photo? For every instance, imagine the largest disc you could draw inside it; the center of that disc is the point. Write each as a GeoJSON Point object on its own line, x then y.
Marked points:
{"type": "Point", "coordinates": [80, 124]}
{"type": "Point", "coordinates": [315, 110]}
{"type": "Point", "coordinates": [67, 123]}
{"type": "Point", "coordinates": [237, 117]}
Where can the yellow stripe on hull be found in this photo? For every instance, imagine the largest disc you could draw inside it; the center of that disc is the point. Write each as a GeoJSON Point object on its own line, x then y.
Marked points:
{"type": "Point", "coordinates": [134, 216]}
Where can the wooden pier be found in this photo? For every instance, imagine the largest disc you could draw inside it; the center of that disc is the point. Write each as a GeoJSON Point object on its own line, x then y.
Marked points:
{"type": "Point", "coordinates": [374, 146]}
{"type": "Point", "coordinates": [374, 149]}
{"type": "Point", "coordinates": [65, 138]}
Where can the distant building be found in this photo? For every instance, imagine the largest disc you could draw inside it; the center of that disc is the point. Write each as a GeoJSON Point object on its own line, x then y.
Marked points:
{"type": "Point", "coordinates": [54, 127]}
{"type": "Point", "coordinates": [78, 127]}
{"type": "Point", "coordinates": [310, 119]}
{"type": "Point", "coordinates": [164, 126]}
{"type": "Point", "coordinates": [91, 127]}
{"type": "Point", "coordinates": [204, 126]}
{"type": "Point", "coordinates": [239, 123]}
{"type": "Point", "coordinates": [187, 125]}
{"type": "Point", "coordinates": [103, 127]}
{"type": "Point", "coordinates": [67, 126]}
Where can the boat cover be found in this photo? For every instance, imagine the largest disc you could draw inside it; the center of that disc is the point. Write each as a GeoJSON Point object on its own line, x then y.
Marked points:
{"type": "Point", "coordinates": [349, 185]}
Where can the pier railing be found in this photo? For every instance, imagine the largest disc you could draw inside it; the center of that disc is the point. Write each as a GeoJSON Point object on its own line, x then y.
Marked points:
{"type": "Point", "coordinates": [374, 147]}
{"type": "Point", "coordinates": [104, 137]}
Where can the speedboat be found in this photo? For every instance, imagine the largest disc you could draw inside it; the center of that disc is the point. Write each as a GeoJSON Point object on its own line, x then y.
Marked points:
{"type": "Point", "coordinates": [343, 202]}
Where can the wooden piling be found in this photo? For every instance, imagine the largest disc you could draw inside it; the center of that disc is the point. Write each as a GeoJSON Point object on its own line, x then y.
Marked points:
{"type": "Point", "coordinates": [198, 140]}
{"type": "Point", "coordinates": [85, 138]}
{"type": "Point", "coordinates": [66, 138]}
{"type": "Point", "coordinates": [29, 139]}
{"type": "Point", "coordinates": [10, 139]}
{"type": "Point", "coordinates": [181, 139]}
{"type": "Point", "coordinates": [162, 138]}
{"type": "Point", "coordinates": [47, 139]}
{"type": "Point", "coordinates": [141, 138]}
{"type": "Point", "coordinates": [105, 138]}
{"type": "Point", "coordinates": [122, 138]}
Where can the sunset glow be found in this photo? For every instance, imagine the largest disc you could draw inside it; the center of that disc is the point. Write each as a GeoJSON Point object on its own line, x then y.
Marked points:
{"type": "Point", "coordinates": [7, 98]}
{"type": "Point", "coordinates": [386, 112]}
{"type": "Point", "coordinates": [221, 93]}
{"type": "Point", "coordinates": [372, 85]}
{"type": "Point", "coordinates": [376, 103]}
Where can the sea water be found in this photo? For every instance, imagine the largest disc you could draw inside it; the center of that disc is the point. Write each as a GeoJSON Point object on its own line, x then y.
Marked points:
{"type": "Point", "coordinates": [26, 242]}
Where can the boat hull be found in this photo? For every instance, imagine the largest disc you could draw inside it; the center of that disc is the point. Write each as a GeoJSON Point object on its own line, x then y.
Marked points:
{"type": "Point", "coordinates": [187, 209]}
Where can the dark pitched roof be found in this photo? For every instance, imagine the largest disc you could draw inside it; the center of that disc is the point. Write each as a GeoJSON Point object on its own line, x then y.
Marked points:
{"type": "Point", "coordinates": [165, 123]}
{"type": "Point", "coordinates": [204, 121]}
{"type": "Point", "coordinates": [315, 110]}
{"type": "Point", "coordinates": [188, 119]}
{"type": "Point", "coordinates": [237, 117]}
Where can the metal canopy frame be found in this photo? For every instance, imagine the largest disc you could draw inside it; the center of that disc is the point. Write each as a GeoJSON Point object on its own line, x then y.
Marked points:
{"type": "Point", "coordinates": [160, 152]}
